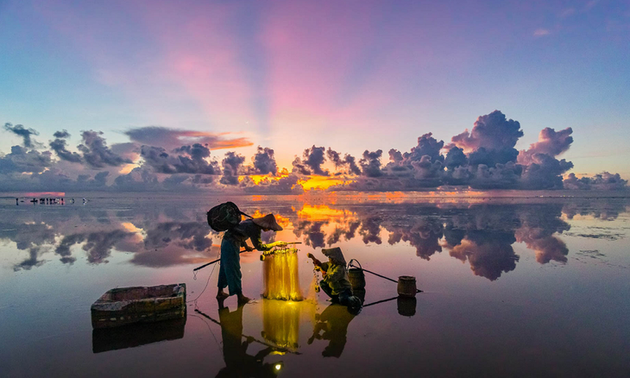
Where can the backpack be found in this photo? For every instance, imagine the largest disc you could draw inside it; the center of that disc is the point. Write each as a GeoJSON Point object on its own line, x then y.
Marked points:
{"type": "Point", "coordinates": [224, 216]}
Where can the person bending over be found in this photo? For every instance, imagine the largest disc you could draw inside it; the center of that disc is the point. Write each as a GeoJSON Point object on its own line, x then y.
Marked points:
{"type": "Point", "coordinates": [335, 281]}
{"type": "Point", "coordinates": [235, 238]}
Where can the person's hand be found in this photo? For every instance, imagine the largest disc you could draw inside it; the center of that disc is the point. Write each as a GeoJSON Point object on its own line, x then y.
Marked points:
{"type": "Point", "coordinates": [310, 255]}
{"type": "Point", "coordinates": [281, 244]}
{"type": "Point", "coordinates": [248, 248]}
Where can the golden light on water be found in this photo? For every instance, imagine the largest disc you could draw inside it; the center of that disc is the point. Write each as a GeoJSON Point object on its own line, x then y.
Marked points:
{"type": "Point", "coordinates": [320, 182]}
{"type": "Point", "coordinates": [281, 323]}
{"type": "Point", "coordinates": [321, 212]}
{"type": "Point", "coordinates": [257, 179]}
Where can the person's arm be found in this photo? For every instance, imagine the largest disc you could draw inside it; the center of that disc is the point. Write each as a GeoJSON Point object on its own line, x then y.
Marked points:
{"type": "Point", "coordinates": [316, 262]}
{"type": "Point", "coordinates": [254, 236]}
{"type": "Point", "coordinates": [335, 274]}
{"type": "Point", "coordinates": [246, 246]}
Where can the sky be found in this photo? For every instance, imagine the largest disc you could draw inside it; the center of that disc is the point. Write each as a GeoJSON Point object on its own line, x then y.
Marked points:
{"type": "Point", "coordinates": [352, 76]}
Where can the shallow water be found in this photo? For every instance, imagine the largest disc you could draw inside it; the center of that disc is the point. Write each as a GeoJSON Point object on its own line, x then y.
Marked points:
{"type": "Point", "coordinates": [512, 287]}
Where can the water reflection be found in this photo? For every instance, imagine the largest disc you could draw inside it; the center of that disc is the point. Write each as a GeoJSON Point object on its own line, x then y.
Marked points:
{"type": "Point", "coordinates": [481, 235]}
{"type": "Point", "coordinates": [106, 339]}
{"type": "Point", "coordinates": [332, 326]}
{"type": "Point", "coordinates": [238, 363]}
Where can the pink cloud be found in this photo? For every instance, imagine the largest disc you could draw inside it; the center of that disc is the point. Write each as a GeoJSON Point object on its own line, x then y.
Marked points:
{"type": "Point", "coordinates": [541, 32]}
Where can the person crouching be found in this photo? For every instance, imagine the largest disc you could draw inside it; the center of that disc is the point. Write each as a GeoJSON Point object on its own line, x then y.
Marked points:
{"type": "Point", "coordinates": [335, 280]}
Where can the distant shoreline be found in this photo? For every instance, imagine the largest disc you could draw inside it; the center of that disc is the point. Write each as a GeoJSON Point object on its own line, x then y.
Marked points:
{"type": "Point", "coordinates": [364, 196]}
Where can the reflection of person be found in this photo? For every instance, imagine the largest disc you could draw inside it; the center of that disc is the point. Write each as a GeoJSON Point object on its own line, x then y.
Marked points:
{"type": "Point", "coordinates": [334, 323]}
{"type": "Point", "coordinates": [234, 238]}
{"type": "Point", "coordinates": [238, 362]}
{"type": "Point", "coordinates": [335, 274]}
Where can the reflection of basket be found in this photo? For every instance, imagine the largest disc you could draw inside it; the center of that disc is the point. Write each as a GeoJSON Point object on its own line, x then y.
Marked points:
{"type": "Point", "coordinates": [407, 306]}
{"type": "Point", "coordinates": [280, 275]}
{"type": "Point", "coordinates": [356, 275]}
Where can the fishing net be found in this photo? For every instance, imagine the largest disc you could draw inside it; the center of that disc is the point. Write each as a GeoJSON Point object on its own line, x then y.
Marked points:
{"type": "Point", "coordinates": [280, 274]}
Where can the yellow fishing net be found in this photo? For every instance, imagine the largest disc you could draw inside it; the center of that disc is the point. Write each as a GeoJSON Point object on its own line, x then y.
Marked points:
{"type": "Point", "coordinates": [280, 274]}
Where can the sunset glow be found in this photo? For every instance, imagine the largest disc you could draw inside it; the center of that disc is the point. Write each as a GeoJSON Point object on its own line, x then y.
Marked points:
{"type": "Point", "coordinates": [293, 97]}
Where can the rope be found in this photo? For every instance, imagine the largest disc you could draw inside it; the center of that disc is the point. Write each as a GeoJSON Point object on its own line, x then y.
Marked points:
{"type": "Point", "coordinates": [207, 282]}
{"type": "Point", "coordinates": [374, 273]}
{"type": "Point", "coordinates": [209, 329]}
{"type": "Point", "coordinates": [351, 264]}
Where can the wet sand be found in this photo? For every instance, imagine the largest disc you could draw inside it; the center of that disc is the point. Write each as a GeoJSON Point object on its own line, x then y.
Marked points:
{"type": "Point", "coordinates": [512, 287]}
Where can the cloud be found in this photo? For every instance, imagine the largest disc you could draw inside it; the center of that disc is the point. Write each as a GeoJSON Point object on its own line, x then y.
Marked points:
{"type": "Point", "coordinates": [423, 234]}
{"type": "Point", "coordinates": [186, 159]}
{"type": "Point", "coordinates": [96, 153]}
{"type": "Point", "coordinates": [312, 161]}
{"type": "Point", "coordinates": [299, 167]}
{"type": "Point", "coordinates": [482, 235]}
{"type": "Point", "coordinates": [602, 181]}
{"type": "Point", "coordinates": [21, 160]}
{"type": "Point", "coordinates": [264, 161]}
{"type": "Point", "coordinates": [427, 146]}
{"type": "Point", "coordinates": [371, 163]}
{"type": "Point", "coordinates": [544, 172]}
{"type": "Point", "coordinates": [128, 151]}
{"type": "Point", "coordinates": [492, 132]}
{"type": "Point", "coordinates": [541, 32]}
{"type": "Point", "coordinates": [482, 158]}
{"type": "Point", "coordinates": [455, 157]}
{"type": "Point", "coordinates": [139, 179]}
{"type": "Point", "coordinates": [541, 168]}
{"type": "Point", "coordinates": [19, 130]}
{"type": "Point", "coordinates": [59, 146]}
{"type": "Point", "coordinates": [488, 256]}
{"type": "Point", "coordinates": [231, 165]}
{"type": "Point", "coordinates": [173, 138]}
{"type": "Point", "coordinates": [347, 163]}
{"type": "Point", "coordinates": [549, 142]}
{"type": "Point", "coordinates": [312, 233]}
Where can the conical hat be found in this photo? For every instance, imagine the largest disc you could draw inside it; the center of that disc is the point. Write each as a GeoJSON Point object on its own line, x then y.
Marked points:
{"type": "Point", "coordinates": [335, 254]}
{"type": "Point", "coordinates": [268, 222]}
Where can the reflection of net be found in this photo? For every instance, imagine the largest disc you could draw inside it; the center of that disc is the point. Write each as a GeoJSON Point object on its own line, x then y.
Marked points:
{"type": "Point", "coordinates": [280, 269]}
{"type": "Point", "coordinates": [281, 323]}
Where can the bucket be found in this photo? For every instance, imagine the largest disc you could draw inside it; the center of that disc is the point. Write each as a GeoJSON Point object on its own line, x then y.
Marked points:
{"type": "Point", "coordinates": [407, 286]}
{"type": "Point", "coordinates": [356, 275]}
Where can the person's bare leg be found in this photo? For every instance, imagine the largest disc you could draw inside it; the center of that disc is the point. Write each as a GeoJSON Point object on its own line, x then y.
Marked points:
{"type": "Point", "coordinates": [243, 299]}
{"type": "Point", "coordinates": [222, 294]}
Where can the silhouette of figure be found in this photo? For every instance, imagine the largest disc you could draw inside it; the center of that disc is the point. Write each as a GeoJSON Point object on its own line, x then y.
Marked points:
{"type": "Point", "coordinates": [336, 283]}
{"type": "Point", "coordinates": [234, 238]}
{"type": "Point", "coordinates": [332, 325]}
{"type": "Point", "coordinates": [238, 362]}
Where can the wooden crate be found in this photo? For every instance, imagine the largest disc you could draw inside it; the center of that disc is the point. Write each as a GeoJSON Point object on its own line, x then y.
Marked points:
{"type": "Point", "coordinates": [122, 306]}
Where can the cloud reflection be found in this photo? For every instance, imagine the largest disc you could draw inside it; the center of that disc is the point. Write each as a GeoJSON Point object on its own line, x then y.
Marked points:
{"type": "Point", "coordinates": [162, 235]}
